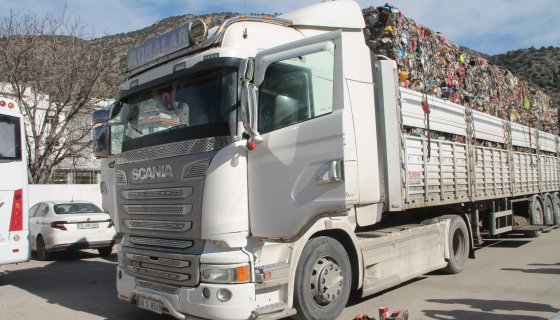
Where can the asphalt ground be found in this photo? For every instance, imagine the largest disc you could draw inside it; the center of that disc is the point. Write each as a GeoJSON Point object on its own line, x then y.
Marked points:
{"type": "Point", "coordinates": [511, 278]}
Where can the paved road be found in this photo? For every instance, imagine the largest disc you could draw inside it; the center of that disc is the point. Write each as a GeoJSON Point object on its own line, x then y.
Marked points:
{"type": "Point", "coordinates": [513, 278]}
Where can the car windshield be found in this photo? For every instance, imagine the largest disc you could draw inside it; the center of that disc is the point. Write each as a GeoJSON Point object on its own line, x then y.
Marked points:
{"type": "Point", "coordinates": [199, 106]}
{"type": "Point", "coordinates": [76, 208]}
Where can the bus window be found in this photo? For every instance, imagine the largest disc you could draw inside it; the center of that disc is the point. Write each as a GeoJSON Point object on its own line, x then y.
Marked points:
{"type": "Point", "coordinates": [10, 147]}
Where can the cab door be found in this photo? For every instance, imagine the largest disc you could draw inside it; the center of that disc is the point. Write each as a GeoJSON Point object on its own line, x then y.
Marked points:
{"type": "Point", "coordinates": [295, 174]}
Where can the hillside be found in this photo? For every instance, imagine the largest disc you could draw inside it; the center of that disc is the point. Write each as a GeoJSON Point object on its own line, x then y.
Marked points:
{"type": "Point", "coordinates": [122, 42]}
{"type": "Point", "coordinates": [541, 67]}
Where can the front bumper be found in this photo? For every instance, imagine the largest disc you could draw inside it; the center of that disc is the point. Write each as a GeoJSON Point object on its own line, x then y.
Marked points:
{"type": "Point", "coordinates": [189, 302]}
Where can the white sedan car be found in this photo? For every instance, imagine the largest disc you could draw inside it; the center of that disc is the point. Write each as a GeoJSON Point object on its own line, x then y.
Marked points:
{"type": "Point", "coordinates": [57, 226]}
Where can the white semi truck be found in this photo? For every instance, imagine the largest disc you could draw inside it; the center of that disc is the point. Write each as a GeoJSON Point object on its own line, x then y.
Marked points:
{"type": "Point", "coordinates": [266, 168]}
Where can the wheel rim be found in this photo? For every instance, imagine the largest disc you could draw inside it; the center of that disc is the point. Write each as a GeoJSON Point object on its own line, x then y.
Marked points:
{"type": "Point", "coordinates": [458, 244]}
{"type": "Point", "coordinates": [326, 281]}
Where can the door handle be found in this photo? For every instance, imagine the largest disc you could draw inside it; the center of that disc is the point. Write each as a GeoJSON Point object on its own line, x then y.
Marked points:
{"type": "Point", "coordinates": [330, 172]}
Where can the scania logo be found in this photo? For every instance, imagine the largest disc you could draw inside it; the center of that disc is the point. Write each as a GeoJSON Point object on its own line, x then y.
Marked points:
{"type": "Point", "coordinates": [157, 172]}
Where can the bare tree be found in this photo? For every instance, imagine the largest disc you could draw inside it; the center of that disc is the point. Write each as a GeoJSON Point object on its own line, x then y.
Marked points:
{"type": "Point", "coordinates": [55, 70]}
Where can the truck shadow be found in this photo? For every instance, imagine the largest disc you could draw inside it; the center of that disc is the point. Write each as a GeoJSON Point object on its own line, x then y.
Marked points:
{"type": "Point", "coordinates": [464, 314]}
{"type": "Point", "coordinates": [537, 270]}
{"type": "Point", "coordinates": [489, 309]}
{"type": "Point", "coordinates": [75, 281]}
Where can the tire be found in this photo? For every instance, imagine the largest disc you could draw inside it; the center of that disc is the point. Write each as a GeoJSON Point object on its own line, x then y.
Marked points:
{"type": "Point", "coordinates": [556, 205]}
{"type": "Point", "coordinates": [323, 261]}
{"type": "Point", "coordinates": [459, 245]}
{"type": "Point", "coordinates": [536, 214]}
{"type": "Point", "coordinates": [105, 251]}
{"type": "Point", "coordinates": [42, 253]}
{"type": "Point", "coordinates": [548, 210]}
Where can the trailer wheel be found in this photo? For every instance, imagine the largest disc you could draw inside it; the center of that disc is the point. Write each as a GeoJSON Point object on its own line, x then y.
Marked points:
{"type": "Point", "coordinates": [323, 280]}
{"type": "Point", "coordinates": [459, 245]}
{"type": "Point", "coordinates": [536, 212]}
{"type": "Point", "coordinates": [556, 205]}
{"type": "Point", "coordinates": [548, 210]}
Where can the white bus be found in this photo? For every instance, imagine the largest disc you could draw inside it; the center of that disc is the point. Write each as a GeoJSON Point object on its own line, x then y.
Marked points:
{"type": "Point", "coordinates": [14, 202]}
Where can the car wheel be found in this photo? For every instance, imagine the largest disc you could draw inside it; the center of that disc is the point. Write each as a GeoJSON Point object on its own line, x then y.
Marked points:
{"type": "Point", "coordinates": [105, 251]}
{"type": "Point", "coordinates": [42, 253]}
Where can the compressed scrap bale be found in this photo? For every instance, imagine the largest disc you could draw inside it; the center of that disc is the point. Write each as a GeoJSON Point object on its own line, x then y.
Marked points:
{"type": "Point", "coordinates": [429, 63]}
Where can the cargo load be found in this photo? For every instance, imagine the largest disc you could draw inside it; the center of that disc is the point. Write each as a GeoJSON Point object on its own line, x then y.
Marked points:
{"type": "Point", "coordinates": [431, 64]}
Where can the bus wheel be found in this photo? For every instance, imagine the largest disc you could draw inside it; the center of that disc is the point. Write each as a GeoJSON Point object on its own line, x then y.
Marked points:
{"type": "Point", "coordinates": [459, 245]}
{"type": "Point", "coordinates": [42, 253]}
{"type": "Point", "coordinates": [323, 280]}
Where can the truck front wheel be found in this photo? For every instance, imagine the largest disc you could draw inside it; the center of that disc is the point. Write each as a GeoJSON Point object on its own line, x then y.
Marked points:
{"type": "Point", "coordinates": [459, 245]}
{"type": "Point", "coordinates": [323, 280]}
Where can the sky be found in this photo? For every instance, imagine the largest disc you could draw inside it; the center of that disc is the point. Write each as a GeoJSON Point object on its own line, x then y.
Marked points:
{"type": "Point", "coordinates": [489, 26]}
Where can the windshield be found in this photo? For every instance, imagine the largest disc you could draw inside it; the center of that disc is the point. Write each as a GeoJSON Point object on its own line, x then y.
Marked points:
{"type": "Point", "coordinates": [204, 105]}
{"type": "Point", "coordinates": [76, 208]}
{"type": "Point", "coordinates": [10, 146]}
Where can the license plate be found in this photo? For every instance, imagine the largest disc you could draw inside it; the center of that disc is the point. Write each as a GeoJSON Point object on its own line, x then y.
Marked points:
{"type": "Point", "coordinates": [148, 304]}
{"type": "Point", "coordinates": [88, 225]}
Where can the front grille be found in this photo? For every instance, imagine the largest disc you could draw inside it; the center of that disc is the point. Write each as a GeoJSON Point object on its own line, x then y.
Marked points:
{"type": "Point", "coordinates": [158, 209]}
{"type": "Point", "coordinates": [120, 178]}
{"type": "Point", "coordinates": [174, 149]}
{"type": "Point", "coordinates": [197, 169]}
{"type": "Point", "coordinates": [166, 243]}
{"type": "Point", "coordinates": [157, 286]}
{"type": "Point", "coordinates": [171, 193]}
{"type": "Point", "coordinates": [158, 267]}
{"type": "Point", "coordinates": [174, 226]}
{"type": "Point", "coordinates": [159, 274]}
{"type": "Point", "coordinates": [159, 261]}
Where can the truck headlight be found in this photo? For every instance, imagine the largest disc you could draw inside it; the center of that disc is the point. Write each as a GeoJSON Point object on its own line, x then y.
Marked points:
{"type": "Point", "coordinates": [224, 274]}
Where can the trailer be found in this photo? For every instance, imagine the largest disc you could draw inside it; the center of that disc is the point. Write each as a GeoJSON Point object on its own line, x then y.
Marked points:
{"type": "Point", "coordinates": [269, 166]}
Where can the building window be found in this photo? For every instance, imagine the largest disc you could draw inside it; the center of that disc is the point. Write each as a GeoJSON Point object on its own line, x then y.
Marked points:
{"type": "Point", "coordinates": [50, 120]}
{"type": "Point", "coordinates": [85, 176]}
{"type": "Point", "coordinates": [59, 176]}
{"type": "Point", "coordinates": [66, 176]}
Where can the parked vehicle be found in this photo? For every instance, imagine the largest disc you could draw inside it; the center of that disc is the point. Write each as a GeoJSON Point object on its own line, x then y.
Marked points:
{"type": "Point", "coordinates": [268, 168]}
{"type": "Point", "coordinates": [70, 225]}
{"type": "Point", "coordinates": [14, 208]}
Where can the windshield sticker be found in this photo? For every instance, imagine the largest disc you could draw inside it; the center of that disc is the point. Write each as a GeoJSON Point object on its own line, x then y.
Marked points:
{"type": "Point", "coordinates": [166, 96]}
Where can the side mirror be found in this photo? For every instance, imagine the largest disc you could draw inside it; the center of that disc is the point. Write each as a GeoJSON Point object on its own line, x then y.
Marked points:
{"type": "Point", "coordinates": [107, 113]}
{"type": "Point", "coordinates": [114, 109]}
{"type": "Point", "coordinates": [246, 70]}
{"type": "Point", "coordinates": [249, 93]}
{"type": "Point", "coordinates": [100, 116]}
{"type": "Point", "coordinates": [102, 141]}
{"type": "Point", "coordinates": [249, 102]}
